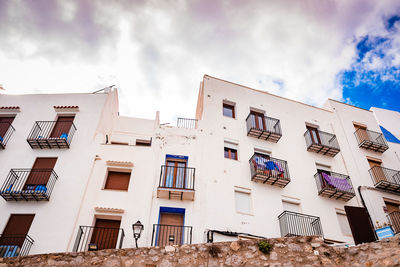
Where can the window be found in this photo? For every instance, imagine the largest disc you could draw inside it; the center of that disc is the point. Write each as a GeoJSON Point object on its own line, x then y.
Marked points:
{"type": "Point", "coordinates": [117, 180]}
{"type": "Point", "coordinates": [344, 224]}
{"type": "Point", "coordinates": [143, 142]}
{"type": "Point", "coordinates": [229, 110]}
{"type": "Point", "coordinates": [230, 153]}
{"type": "Point", "coordinates": [257, 120]}
{"type": "Point", "coordinates": [243, 201]}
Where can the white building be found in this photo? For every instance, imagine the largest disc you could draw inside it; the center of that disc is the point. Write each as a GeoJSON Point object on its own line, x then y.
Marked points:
{"type": "Point", "coordinates": [250, 164]}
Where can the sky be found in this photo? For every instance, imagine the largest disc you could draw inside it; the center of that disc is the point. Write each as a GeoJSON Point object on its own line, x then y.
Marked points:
{"type": "Point", "coordinates": [156, 52]}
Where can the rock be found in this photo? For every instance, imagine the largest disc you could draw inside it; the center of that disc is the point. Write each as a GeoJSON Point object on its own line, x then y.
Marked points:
{"type": "Point", "coordinates": [128, 263]}
{"type": "Point", "coordinates": [273, 256]}
{"type": "Point", "coordinates": [169, 249]}
{"type": "Point", "coordinates": [280, 245]}
{"type": "Point", "coordinates": [235, 246]}
{"type": "Point", "coordinates": [155, 258]}
{"type": "Point", "coordinates": [249, 255]}
{"type": "Point", "coordinates": [263, 258]}
{"type": "Point", "coordinates": [294, 247]}
{"type": "Point", "coordinates": [153, 252]}
{"type": "Point", "coordinates": [315, 245]}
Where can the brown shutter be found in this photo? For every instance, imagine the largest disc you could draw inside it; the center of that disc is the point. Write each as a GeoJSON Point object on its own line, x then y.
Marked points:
{"type": "Point", "coordinates": [170, 225]}
{"type": "Point", "coordinates": [118, 180]}
{"type": "Point", "coordinates": [360, 224]}
{"type": "Point", "coordinates": [377, 172]}
{"type": "Point", "coordinates": [63, 125]}
{"type": "Point", "coordinates": [17, 227]}
{"type": "Point", "coordinates": [361, 132]}
{"type": "Point", "coordinates": [105, 233]}
{"type": "Point", "coordinates": [5, 123]}
{"type": "Point", "coordinates": [40, 172]}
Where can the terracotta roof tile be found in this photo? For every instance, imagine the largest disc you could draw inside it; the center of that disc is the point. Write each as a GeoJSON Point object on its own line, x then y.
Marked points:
{"type": "Point", "coordinates": [13, 107]}
{"type": "Point", "coordinates": [64, 107]}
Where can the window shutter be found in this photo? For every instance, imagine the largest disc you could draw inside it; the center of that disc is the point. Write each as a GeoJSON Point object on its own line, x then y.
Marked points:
{"type": "Point", "coordinates": [118, 180]}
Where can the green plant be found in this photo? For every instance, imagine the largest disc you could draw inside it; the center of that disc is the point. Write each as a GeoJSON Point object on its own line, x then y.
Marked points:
{"type": "Point", "coordinates": [264, 246]}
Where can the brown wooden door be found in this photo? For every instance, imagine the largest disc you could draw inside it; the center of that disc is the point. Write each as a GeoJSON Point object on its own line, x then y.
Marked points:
{"type": "Point", "coordinates": [391, 207]}
{"type": "Point", "coordinates": [377, 172]}
{"type": "Point", "coordinates": [360, 224]}
{"type": "Point", "coordinates": [314, 135]}
{"type": "Point", "coordinates": [17, 228]}
{"type": "Point", "coordinates": [170, 231]}
{"type": "Point", "coordinates": [361, 133]}
{"type": "Point", "coordinates": [258, 120]}
{"type": "Point", "coordinates": [5, 123]}
{"type": "Point", "coordinates": [175, 175]}
{"type": "Point", "coordinates": [105, 233]}
{"type": "Point", "coordinates": [62, 126]}
{"type": "Point", "coordinates": [40, 173]}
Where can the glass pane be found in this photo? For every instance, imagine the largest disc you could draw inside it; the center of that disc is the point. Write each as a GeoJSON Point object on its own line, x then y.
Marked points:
{"type": "Point", "coordinates": [228, 111]}
{"type": "Point", "coordinates": [226, 153]}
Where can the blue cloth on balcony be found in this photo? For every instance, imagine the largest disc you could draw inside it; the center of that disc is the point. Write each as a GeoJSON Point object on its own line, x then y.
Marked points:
{"type": "Point", "coordinates": [64, 136]}
{"type": "Point", "coordinates": [339, 183]}
{"type": "Point", "coordinates": [40, 188]}
{"type": "Point", "coordinates": [1, 138]}
{"type": "Point", "coordinates": [9, 251]}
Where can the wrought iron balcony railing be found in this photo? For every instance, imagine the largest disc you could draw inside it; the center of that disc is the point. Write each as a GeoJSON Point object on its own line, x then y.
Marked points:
{"type": "Point", "coordinates": [297, 224]}
{"type": "Point", "coordinates": [28, 184]}
{"type": "Point", "coordinates": [371, 140]}
{"type": "Point", "coordinates": [269, 170]}
{"type": "Point", "coordinates": [264, 128]}
{"type": "Point", "coordinates": [99, 237]}
{"type": "Point", "coordinates": [321, 142]}
{"type": "Point", "coordinates": [385, 178]}
{"type": "Point", "coordinates": [15, 245]}
{"type": "Point", "coordinates": [166, 235]}
{"type": "Point", "coordinates": [187, 123]}
{"type": "Point", "coordinates": [6, 130]}
{"type": "Point", "coordinates": [51, 134]}
{"type": "Point", "coordinates": [394, 219]}
{"type": "Point", "coordinates": [176, 182]}
{"type": "Point", "coordinates": [334, 185]}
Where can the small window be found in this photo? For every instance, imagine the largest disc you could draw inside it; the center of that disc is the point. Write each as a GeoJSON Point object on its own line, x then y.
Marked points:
{"type": "Point", "coordinates": [229, 110]}
{"type": "Point", "coordinates": [143, 142]}
{"type": "Point", "coordinates": [344, 224]}
{"type": "Point", "coordinates": [243, 202]}
{"type": "Point", "coordinates": [117, 180]}
{"type": "Point", "coordinates": [230, 153]}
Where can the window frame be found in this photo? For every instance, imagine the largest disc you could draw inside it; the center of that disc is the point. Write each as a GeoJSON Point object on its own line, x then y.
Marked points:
{"type": "Point", "coordinates": [229, 150]}
{"type": "Point", "coordinates": [231, 107]}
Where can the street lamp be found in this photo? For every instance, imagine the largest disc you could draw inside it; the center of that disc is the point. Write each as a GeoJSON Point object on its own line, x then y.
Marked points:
{"type": "Point", "coordinates": [137, 231]}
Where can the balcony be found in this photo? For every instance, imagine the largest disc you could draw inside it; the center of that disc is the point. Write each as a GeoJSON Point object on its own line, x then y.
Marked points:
{"type": "Point", "coordinates": [176, 183]}
{"type": "Point", "coordinates": [168, 235]}
{"type": "Point", "coordinates": [386, 179]}
{"type": "Point", "coordinates": [321, 142]}
{"type": "Point", "coordinates": [334, 185]}
{"type": "Point", "coordinates": [15, 245]}
{"type": "Point", "coordinates": [28, 184]}
{"type": "Point", "coordinates": [51, 134]}
{"type": "Point", "coordinates": [99, 237]}
{"type": "Point", "coordinates": [371, 140]}
{"type": "Point", "coordinates": [6, 130]}
{"type": "Point", "coordinates": [267, 170]}
{"type": "Point", "coordinates": [265, 128]}
{"type": "Point", "coordinates": [297, 224]}
{"type": "Point", "coordinates": [187, 123]}
{"type": "Point", "coordinates": [394, 219]}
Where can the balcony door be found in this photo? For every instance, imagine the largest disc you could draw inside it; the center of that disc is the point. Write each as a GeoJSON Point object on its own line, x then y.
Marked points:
{"type": "Point", "coordinates": [175, 175]}
{"type": "Point", "coordinates": [17, 228]}
{"type": "Point", "coordinates": [377, 171]}
{"type": "Point", "coordinates": [361, 133]}
{"type": "Point", "coordinates": [62, 127]}
{"type": "Point", "coordinates": [5, 123]}
{"type": "Point", "coordinates": [258, 120]}
{"type": "Point", "coordinates": [314, 135]}
{"type": "Point", "coordinates": [171, 229]}
{"type": "Point", "coordinates": [105, 233]}
{"type": "Point", "coordinates": [324, 183]}
{"type": "Point", "coordinates": [40, 173]}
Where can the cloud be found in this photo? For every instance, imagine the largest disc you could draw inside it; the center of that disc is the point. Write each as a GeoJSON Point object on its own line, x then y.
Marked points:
{"type": "Point", "coordinates": [156, 52]}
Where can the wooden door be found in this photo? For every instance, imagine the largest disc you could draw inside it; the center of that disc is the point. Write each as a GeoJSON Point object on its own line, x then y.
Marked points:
{"type": "Point", "coordinates": [391, 207]}
{"type": "Point", "coordinates": [175, 174]}
{"type": "Point", "coordinates": [360, 225]}
{"type": "Point", "coordinates": [258, 120]}
{"type": "Point", "coordinates": [17, 228]}
{"type": "Point", "coordinates": [40, 173]}
{"type": "Point", "coordinates": [324, 183]}
{"type": "Point", "coordinates": [314, 135]}
{"type": "Point", "coordinates": [5, 123]}
{"type": "Point", "coordinates": [361, 133]}
{"type": "Point", "coordinates": [105, 233]}
{"type": "Point", "coordinates": [377, 171]}
{"type": "Point", "coordinates": [170, 231]}
{"type": "Point", "coordinates": [62, 127]}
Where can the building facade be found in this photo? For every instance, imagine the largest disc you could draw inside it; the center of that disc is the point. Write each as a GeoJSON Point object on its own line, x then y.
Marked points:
{"type": "Point", "coordinates": [251, 164]}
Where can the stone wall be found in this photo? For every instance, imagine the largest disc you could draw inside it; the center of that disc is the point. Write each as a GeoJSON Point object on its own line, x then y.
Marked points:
{"type": "Point", "coordinates": [298, 251]}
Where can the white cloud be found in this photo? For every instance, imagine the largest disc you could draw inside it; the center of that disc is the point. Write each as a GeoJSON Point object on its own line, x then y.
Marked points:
{"type": "Point", "coordinates": [156, 52]}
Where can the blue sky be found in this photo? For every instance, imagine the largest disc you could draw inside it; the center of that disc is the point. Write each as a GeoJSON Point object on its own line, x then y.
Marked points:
{"type": "Point", "coordinates": [373, 78]}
